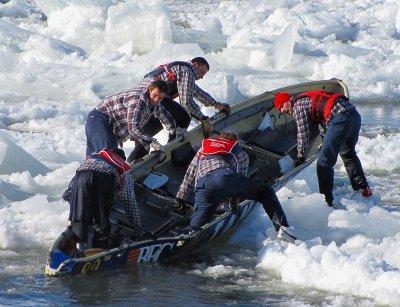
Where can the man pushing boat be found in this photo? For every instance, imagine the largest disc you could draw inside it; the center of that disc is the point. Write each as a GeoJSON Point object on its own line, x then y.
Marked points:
{"type": "Point", "coordinates": [217, 173]}
{"type": "Point", "coordinates": [339, 124]}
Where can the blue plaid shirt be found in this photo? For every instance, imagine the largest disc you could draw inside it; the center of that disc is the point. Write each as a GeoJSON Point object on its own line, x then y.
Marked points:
{"type": "Point", "coordinates": [130, 110]}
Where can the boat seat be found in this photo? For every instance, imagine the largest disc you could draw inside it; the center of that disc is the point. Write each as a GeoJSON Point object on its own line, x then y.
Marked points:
{"type": "Point", "coordinates": [275, 142]}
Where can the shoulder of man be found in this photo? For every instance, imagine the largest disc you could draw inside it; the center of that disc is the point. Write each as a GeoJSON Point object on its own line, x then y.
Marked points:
{"type": "Point", "coordinates": [96, 163]}
{"type": "Point", "coordinates": [185, 66]}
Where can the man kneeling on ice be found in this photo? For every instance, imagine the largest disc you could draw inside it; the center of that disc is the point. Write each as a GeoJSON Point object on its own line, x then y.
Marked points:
{"type": "Point", "coordinates": [218, 172]}
{"type": "Point", "coordinates": [100, 180]}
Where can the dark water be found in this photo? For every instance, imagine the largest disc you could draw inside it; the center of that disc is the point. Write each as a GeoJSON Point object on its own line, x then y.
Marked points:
{"type": "Point", "coordinates": [379, 114]}
{"type": "Point", "coordinates": [171, 284]}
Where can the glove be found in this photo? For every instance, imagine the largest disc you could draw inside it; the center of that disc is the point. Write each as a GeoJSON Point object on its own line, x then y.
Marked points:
{"type": "Point", "coordinates": [298, 161]}
{"type": "Point", "coordinates": [207, 126]}
{"type": "Point", "coordinates": [146, 146]}
{"type": "Point", "coordinates": [223, 107]}
{"type": "Point", "coordinates": [155, 145]}
{"type": "Point", "coordinates": [147, 235]}
{"type": "Point", "coordinates": [322, 139]}
{"type": "Point", "coordinates": [67, 194]}
{"type": "Point", "coordinates": [180, 132]}
{"type": "Point", "coordinates": [234, 205]}
{"type": "Point", "coordinates": [179, 205]}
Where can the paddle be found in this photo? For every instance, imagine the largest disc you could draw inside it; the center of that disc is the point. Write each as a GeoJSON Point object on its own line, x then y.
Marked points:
{"type": "Point", "coordinates": [155, 180]}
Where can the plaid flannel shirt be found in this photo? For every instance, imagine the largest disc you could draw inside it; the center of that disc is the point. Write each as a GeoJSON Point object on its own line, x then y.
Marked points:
{"type": "Point", "coordinates": [302, 115]}
{"type": "Point", "coordinates": [187, 89]}
{"type": "Point", "coordinates": [126, 193]}
{"type": "Point", "coordinates": [139, 112]}
{"type": "Point", "coordinates": [130, 110]}
{"type": "Point", "coordinates": [199, 167]}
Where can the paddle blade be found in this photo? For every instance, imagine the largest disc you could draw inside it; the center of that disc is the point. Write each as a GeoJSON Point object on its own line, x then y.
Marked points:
{"type": "Point", "coordinates": [155, 180]}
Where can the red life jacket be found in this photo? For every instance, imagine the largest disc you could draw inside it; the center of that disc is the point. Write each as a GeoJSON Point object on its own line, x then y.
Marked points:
{"type": "Point", "coordinates": [322, 104]}
{"type": "Point", "coordinates": [156, 72]}
{"type": "Point", "coordinates": [117, 161]}
{"type": "Point", "coordinates": [219, 148]}
{"type": "Point", "coordinates": [172, 82]}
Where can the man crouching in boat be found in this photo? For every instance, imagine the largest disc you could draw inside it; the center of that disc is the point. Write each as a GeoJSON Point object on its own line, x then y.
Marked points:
{"type": "Point", "coordinates": [100, 180]}
{"type": "Point", "coordinates": [340, 125]}
{"type": "Point", "coordinates": [218, 172]}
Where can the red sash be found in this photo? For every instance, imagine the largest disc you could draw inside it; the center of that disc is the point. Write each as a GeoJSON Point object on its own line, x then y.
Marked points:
{"type": "Point", "coordinates": [117, 161]}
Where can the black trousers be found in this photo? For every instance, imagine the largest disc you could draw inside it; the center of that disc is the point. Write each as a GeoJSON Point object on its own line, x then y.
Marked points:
{"type": "Point", "coordinates": [154, 126]}
{"type": "Point", "coordinates": [91, 198]}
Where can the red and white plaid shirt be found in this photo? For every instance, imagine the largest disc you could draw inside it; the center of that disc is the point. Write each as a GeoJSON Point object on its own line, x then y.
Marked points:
{"type": "Point", "coordinates": [130, 110]}
{"type": "Point", "coordinates": [187, 89]}
{"type": "Point", "coordinates": [302, 115]}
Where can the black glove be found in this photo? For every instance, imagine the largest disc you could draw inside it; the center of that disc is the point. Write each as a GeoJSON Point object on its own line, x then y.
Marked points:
{"type": "Point", "coordinates": [67, 194]}
{"type": "Point", "coordinates": [223, 107]}
{"type": "Point", "coordinates": [146, 146]}
{"type": "Point", "coordinates": [180, 132]}
{"type": "Point", "coordinates": [299, 161]}
{"type": "Point", "coordinates": [147, 235]}
{"type": "Point", "coordinates": [234, 205]}
{"type": "Point", "coordinates": [179, 205]}
{"type": "Point", "coordinates": [322, 137]}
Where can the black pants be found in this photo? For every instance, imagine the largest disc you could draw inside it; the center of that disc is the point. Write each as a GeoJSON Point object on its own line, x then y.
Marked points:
{"type": "Point", "coordinates": [90, 201]}
{"type": "Point", "coordinates": [154, 126]}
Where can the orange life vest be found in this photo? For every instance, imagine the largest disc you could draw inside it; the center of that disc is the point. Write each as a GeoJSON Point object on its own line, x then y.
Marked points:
{"type": "Point", "coordinates": [322, 104]}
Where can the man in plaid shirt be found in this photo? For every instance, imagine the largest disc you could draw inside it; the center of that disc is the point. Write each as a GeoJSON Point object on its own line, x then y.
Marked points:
{"type": "Point", "coordinates": [123, 116]}
{"type": "Point", "coordinates": [339, 124]}
{"type": "Point", "coordinates": [217, 173]}
{"type": "Point", "coordinates": [99, 181]}
{"type": "Point", "coordinates": [181, 77]}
